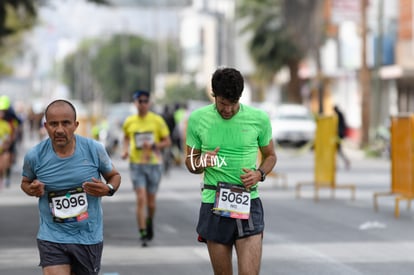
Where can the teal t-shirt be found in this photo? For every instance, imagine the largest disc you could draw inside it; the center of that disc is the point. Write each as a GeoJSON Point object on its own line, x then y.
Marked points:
{"type": "Point", "coordinates": [238, 138]}
{"type": "Point", "coordinates": [89, 160]}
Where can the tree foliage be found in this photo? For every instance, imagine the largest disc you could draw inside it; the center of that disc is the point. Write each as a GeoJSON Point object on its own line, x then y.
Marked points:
{"type": "Point", "coordinates": [270, 46]}
{"type": "Point", "coordinates": [122, 66]}
{"type": "Point", "coordinates": [113, 69]}
{"type": "Point", "coordinates": [17, 16]}
{"type": "Point", "coordinates": [182, 92]}
{"type": "Point", "coordinates": [282, 31]}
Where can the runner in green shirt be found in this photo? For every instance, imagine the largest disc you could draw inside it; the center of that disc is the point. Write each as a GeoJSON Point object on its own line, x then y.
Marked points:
{"type": "Point", "coordinates": [223, 140]}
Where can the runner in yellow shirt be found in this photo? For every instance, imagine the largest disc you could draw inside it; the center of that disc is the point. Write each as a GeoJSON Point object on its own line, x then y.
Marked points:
{"type": "Point", "coordinates": [145, 135]}
{"type": "Point", "coordinates": [5, 142]}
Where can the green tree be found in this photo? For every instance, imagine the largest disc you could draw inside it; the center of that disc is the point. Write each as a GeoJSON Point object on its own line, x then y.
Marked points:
{"type": "Point", "coordinates": [283, 33]}
{"type": "Point", "coordinates": [17, 16]}
{"type": "Point", "coordinates": [113, 69]}
{"type": "Point", "coordinates": [77, 72]}
{"type": "Point", "coordinates": [123, 65]}
{"type": "Point", "coordinates": [182, 92]}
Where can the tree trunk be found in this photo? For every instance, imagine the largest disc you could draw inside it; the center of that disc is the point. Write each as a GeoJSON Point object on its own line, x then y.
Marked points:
{"type": "Point", "coordinates": [294, 95]}
{"type": "Point", "coordinates": [258, 88]}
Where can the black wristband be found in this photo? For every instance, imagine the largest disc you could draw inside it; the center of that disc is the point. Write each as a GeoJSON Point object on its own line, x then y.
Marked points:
{"type": "Point", "coordinates": [262, 174]}
{"type": "Point", "coordinates": [112, 190]}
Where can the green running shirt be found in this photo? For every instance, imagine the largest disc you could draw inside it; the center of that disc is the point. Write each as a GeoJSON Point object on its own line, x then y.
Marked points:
{"type": "Point", "coordinates": [238, 138]}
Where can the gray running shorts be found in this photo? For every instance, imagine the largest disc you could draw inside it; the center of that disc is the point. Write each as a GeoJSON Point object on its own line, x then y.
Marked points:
{"type": "Point", "coordinates": [146, 176]}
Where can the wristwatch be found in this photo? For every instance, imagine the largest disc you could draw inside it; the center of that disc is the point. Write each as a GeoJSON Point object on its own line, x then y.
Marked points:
{"type": "Point", "coordinates": [112, 190]}
{"type": "Point", "coordinates": [262, 173]}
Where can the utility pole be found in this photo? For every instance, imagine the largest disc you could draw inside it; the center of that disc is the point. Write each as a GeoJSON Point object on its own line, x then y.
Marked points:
{"type": "Point", "coordinates": [376, 109]}
{"type": "Point", "coordinates": [318, 22]}
{"type": "Point", "coordinates": [365, 78]}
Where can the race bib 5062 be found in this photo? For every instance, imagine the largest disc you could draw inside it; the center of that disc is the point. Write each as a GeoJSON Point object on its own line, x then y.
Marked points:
{"type": "Point", "coordinates": [232, 201]}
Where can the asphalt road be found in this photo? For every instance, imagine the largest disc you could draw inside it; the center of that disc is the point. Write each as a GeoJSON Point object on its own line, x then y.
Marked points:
{"type": "Point", "coordinates": [332, 236]}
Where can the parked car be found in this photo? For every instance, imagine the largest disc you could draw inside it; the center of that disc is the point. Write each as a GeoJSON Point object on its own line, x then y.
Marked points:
{"type": "Point", "coordinates": [293, 124]}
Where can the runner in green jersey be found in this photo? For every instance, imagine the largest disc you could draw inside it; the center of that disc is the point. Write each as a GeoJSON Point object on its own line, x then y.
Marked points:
{"type": "Point", "coordinates": [223, 141]}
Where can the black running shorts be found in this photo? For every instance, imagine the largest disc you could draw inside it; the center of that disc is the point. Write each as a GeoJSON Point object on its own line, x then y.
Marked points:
{"type": "Point", "coordinates": [83, 259]}
{"type": "Point", "coordinates": [227, 230]}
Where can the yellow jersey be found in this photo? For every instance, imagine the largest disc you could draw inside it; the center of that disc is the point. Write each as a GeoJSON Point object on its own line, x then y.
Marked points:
{"type": "Point", "coordinates": [5, 133]}
{"type": "Point", "coordinates": [150, 128]}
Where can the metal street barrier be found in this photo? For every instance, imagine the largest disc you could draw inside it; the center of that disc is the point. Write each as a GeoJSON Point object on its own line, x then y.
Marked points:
{"type": "Point", "coordinates": [402, 162]}
{"type": "Point", "coordinates": [326, 142]}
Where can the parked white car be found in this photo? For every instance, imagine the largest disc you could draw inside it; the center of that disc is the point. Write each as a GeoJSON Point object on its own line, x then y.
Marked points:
{"type": "Point", "coordinates": [293, 124]}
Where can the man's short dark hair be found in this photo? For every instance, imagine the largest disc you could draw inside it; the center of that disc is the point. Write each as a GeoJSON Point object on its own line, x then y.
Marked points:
{"type": "Point", "coordinates": [60, 101]}
{"type": "Point", "coordinates": [227, 83]}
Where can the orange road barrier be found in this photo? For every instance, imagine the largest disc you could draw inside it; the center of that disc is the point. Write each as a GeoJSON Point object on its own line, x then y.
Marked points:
{"type": "Point", "coordinates": [402, 162]}
{"type": "Point", "coordinates": [326, 142]}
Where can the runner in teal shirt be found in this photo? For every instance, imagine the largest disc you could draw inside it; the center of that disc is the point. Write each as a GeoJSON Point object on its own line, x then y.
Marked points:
{"type": "Point", "coordinates": [58, 174]}
{"type": "Point", "coordinates": [69, 174]}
